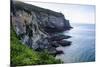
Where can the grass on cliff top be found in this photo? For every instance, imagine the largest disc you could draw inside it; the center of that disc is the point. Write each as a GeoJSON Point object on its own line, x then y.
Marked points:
{"type": "Point", "coordinates": [23, 55]}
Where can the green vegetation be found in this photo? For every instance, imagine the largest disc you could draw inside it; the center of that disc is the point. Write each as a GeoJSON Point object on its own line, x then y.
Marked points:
{"type": "Point", "coordinates": [23, 55]}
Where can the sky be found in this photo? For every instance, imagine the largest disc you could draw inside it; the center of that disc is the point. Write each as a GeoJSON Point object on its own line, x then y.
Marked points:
{"type": "Point", "coordinates": [73, 12]}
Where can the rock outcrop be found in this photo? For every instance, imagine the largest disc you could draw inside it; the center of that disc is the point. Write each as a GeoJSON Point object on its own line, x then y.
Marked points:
{"type": "Point", "coordinates": [37, 27]}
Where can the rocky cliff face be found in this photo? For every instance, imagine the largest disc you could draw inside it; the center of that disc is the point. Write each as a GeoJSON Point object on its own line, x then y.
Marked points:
{"type": "Point", "coordinates": [37, 27]}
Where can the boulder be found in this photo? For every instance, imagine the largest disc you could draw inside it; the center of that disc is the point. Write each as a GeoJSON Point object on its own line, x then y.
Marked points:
{"type": "Point", "coordinates": [64, 43]}
{"type": "Point", "coordinates": [59, 52]}
{"type": "Point", "coordinates": [58, 37]}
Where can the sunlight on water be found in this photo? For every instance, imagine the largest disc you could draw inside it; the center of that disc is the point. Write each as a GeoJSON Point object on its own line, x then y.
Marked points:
{"type": "Point", "coordinates": [82, 48]}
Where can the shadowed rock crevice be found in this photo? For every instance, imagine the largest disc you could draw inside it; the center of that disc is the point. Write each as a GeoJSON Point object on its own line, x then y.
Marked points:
{"type": "Point", "coordinates": [39, 28]}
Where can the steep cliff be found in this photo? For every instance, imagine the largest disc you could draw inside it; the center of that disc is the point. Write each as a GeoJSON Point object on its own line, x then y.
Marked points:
{"type": "Point", "coordinates": [37, 27]}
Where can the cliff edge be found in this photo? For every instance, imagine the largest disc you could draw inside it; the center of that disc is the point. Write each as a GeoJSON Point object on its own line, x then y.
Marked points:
{"type": "Point", "coordinates": [39, 28]}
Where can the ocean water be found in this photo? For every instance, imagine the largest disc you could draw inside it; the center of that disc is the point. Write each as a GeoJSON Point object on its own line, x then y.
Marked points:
{"type": "Point", "coordinates": [82, 48]}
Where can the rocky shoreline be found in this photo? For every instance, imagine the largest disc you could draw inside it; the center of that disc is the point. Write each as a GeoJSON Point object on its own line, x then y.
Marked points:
{"type": "Point", "coordinates": [39, 28]}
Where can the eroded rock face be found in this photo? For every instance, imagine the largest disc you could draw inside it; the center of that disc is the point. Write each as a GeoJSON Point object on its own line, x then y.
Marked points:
{"type": "Point", "coordinates": [35, 26]}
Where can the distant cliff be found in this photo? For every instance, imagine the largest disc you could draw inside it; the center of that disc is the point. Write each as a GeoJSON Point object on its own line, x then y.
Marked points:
{"type": "Point", "coordinates": [37, 27]}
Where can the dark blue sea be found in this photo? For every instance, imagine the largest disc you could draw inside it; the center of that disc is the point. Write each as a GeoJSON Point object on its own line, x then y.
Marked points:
{"type": "Point", "coordinates": [82, 48]}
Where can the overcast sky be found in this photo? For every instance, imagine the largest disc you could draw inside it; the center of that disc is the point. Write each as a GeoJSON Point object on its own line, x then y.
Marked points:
{"type": "Point", "coordinates": [74, 13]}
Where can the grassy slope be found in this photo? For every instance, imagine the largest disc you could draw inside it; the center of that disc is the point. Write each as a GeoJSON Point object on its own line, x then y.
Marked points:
{"type": "Point", "coordinates": [23, 55]}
